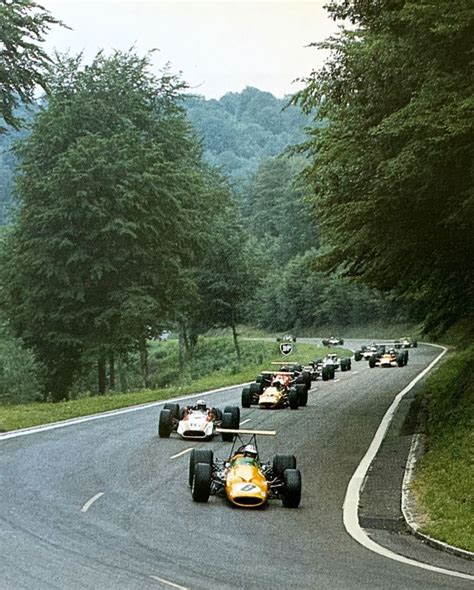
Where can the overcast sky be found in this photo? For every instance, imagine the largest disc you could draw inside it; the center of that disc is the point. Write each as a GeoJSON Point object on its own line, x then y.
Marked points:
{"type": "Point", "coordinates": [218, 46]}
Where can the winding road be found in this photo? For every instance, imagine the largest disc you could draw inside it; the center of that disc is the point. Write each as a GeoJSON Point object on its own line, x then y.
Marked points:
{"type": "Point", "coordinates": [104, 503]}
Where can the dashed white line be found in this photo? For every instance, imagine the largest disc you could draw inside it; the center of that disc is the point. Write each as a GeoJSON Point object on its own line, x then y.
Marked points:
{"type": "Point", "coordinates": [355, 372]}
{"type": "Point", "coordinates": [89, 503]}
{"type": "Point", "coordinates": [182, 453]}
{"type": "Point", "coordinates": [168, 583]}
{"type": "Point", "coordinates": [336, 380]}
{"type": "Point", "coordinates": [244, 421]}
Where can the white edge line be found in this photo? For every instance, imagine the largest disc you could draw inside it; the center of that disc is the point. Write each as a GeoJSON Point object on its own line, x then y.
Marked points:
{"type": "Point", "coordinates": [245, 421]}
{"type": "Point", "coordinates": [89, 503]}
{"type": "Point", "coordinates": [182, 453]}
{"type": "Point", "coordinates": [172, 584]}
{"type": "Point", "coordinates": [99, 416]}
{"type": "Point", "coordinates": [351, 500]}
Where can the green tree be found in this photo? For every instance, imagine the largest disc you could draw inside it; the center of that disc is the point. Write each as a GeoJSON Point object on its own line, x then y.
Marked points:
{"type": "Point", "coordinates": [392, 165]}
{"type": "Point", "coordinates": [113, 208]}
{"type": "Point", "coordinates": [23, 63]}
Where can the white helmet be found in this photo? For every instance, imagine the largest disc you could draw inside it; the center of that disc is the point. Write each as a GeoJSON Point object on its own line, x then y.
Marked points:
{"type": "Point", "coordinates": [250, 451]}
{"type": "Point", "coordinates": [201, 405]}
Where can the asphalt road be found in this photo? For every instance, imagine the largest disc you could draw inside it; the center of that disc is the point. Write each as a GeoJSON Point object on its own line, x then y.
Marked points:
{"type": "Point", "coordinates": [144, 531]}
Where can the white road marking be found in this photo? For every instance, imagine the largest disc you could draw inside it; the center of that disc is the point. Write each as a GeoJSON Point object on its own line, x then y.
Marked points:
{"type": "Point", "coordinates": [89, 503]}
{"type": "Point", "coordinates": [355, 372]}
{"type": "Point", "coordinates": [336, 380]}
{"type": "Point", "coordinates": [111, 413]}
{"type": "Point", "coordinates": [182, 453]}
{"type": "Point", "coordinates": [172, 584]}
{"type": "Point", "coordinates": [351, 501]}
{"type": "Point", "coordinates": [245, 421]}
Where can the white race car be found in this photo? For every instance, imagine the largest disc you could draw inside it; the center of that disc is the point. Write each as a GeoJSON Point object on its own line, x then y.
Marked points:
{"type": "Point", "coordinates": [198, 421]}
{"type": "Point", "coordinates": [333, 341]}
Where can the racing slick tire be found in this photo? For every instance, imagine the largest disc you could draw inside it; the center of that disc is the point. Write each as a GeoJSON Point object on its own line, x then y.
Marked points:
{"type": "Point", "coordinates": [199, 456]}
{"type": "Point", "coordinates": [302, 392]}
{"type": "Point", "coordinates": [357, 355]}
{"type": "Point", "coordinates": [291, 495]}
{"type": "Point", "coordinates": [282, 462]}
{"type": "Point", "coordinates": [400, 360]}
{"type": "Point", "coordinates": [332, 372]}
{"type": "Point", "coordinates": [165, 423]}
{"type": "Point", "coordinates": [256, 388]}
{"type": "Point", "coordinates": [325, 342]}
{"type": "Point", "coordinates": [372, 361]}
{"type": "Point", "coordinates": [293, 398]}
{"type": "Point", "coordinates": [219, 413]}
{"type": "Point", "coordinates": [325, 373]}
{"type": "Point", "coordinates": [231, 419]}
{"type": "Point", "coordinates": [201, 486]}
{"type": "Point", "coordinates": [415, 344]}
{"type": "Point", "coordinates": [174, 410]}
{"type": "Point", "coordinates": [246, 397]}
{"type": "Point", "coordinates": [346, 363]}
{"type": "Point", "coordinates": [405, 354]}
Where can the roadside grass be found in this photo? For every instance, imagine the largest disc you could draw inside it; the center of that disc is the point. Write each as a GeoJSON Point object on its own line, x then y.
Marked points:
{"type": "Point", "coordinates": [444, 483]}
{"type": "Point", "coordinates": [214, 365]}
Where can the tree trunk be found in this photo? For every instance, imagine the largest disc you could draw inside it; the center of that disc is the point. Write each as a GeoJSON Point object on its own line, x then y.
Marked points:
{"type": "Point", "coordinates": [144, 361]}
{"type": "Point", "coordinates": [236, 343]}
{"type": "Point", "coordinates": [112, 371]}
{"type": "Point", "coordinates": [102, 375]}
{"type": "Point", "coordinates": [122, 372]}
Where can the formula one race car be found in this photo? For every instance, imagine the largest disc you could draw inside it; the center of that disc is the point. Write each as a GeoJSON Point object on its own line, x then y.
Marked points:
{"type": "Point", "coordinates": [406, 343]}
{"type": "Point", "coordinates": [390, 358]}
{"type": "Point", "coordinates": [243, 478]}
{"type": "Point", "coordinates": [333, 341]}
{"type": "Point", "coordinates": [198, 421]}
{"type": "Point", "coordinates": [365, 352]}
{"type": "Point", "coordinates": [287, 387]}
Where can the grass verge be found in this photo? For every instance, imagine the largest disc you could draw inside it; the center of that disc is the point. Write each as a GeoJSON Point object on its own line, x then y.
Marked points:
{"type": "Point", "coordinates": [214, 365]}
{"type": "Point", "coordinates": [444, 483]}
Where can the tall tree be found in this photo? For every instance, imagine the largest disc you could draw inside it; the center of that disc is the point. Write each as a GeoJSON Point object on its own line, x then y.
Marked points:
{"type": "Point", "coordinates": [23, 62]}
{"type": "Point", "coordinates": [113, 207]}
{"type": "Point", "coordinates": [392, 166]}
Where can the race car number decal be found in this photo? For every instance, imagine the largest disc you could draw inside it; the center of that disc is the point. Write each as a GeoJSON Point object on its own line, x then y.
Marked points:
{"type": "Point", "coordinates": [248, 487]}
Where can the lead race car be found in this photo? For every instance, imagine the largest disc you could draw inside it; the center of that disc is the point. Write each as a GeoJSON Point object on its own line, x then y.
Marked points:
{"type": "Point", "coordinates": [243, 478]}
{"type": "Point", "coordinates": [333, 341]}
{"type": "Point", "coordinates": [198, 421]}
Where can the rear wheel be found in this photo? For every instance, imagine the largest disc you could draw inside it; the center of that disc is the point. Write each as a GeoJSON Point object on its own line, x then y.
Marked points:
{"type": "Point", "coordinates": [231, 420]}
{"type": "Point", "coordinates": [256, 388]}
{"type": "Point", "coordinates": [246, 397]}
{"type": "Point", "coordinates": [201, 486]}
{"type": "Point", "coordinates": [357, 355]}
{"type": "Point", "coordinates": [372, 362]}
{"type": "Point", "coordinates": [199, 456]}
{"type": "Point", "coordinates": [174, 408]}
{"type": "Point", "coordinates": [165, 424]}
{"type": "Point", "coordinates": [291, 496]}
{"type": "Point", "coordinates": [282, 462]}
{"type": "Point", "coordinates": [293, 398]}
{"type": "Point", "coordinates": [325, 373]}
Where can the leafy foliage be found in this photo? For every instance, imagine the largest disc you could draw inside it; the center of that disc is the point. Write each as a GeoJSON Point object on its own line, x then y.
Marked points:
{"type": "Point", "coordinates": [392, 168]}
{"type": "Point", "coordinates": [242, 129]}
{"type": "Point", "coordinates": [23, 63]}
{"type": "Point", "coordinates": [113, 208]}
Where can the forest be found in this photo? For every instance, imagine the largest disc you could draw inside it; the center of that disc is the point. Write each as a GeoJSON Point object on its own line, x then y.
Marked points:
{"type": "Point", "coordinates": [139, 207]}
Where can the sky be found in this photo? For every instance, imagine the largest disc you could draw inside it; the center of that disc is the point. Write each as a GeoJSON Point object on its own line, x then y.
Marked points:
{"type": "Point", "coordinates": [218, 47]}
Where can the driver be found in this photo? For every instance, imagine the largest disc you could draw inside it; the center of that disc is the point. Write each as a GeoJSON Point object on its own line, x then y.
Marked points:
{"type": "Point", "coordinates": [250, 451]}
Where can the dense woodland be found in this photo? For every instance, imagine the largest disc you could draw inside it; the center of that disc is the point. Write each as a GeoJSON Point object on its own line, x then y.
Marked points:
{"type": "Point", "coordinates": [140, 207]}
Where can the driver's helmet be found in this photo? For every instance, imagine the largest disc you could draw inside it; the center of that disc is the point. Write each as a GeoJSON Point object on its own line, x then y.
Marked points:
{"type": "Point", "coordinates": [278, 383]}
{"type": "Point", "coordinates": [250, 451]}
{"type": "Point", "coordinates": [201, 405]}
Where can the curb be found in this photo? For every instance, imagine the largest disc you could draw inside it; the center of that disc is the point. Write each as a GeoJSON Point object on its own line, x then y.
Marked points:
{"type": "Point", "coordinates": [408, 504]}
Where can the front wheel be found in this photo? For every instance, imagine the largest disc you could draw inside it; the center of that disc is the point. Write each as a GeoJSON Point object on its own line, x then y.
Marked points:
{"type": "Point", "coordinates": [199, 456]}
{"type": "Point", "coordinates": [201, 487]}
{"type": "Point", "coordinates": [291, 496]}
{"type": "Point", "coordinates": [165, 424]}
{"type": "Point", "coordinates": [293, 398]}
{"type": "Point", "coordinates": [246, 397]}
